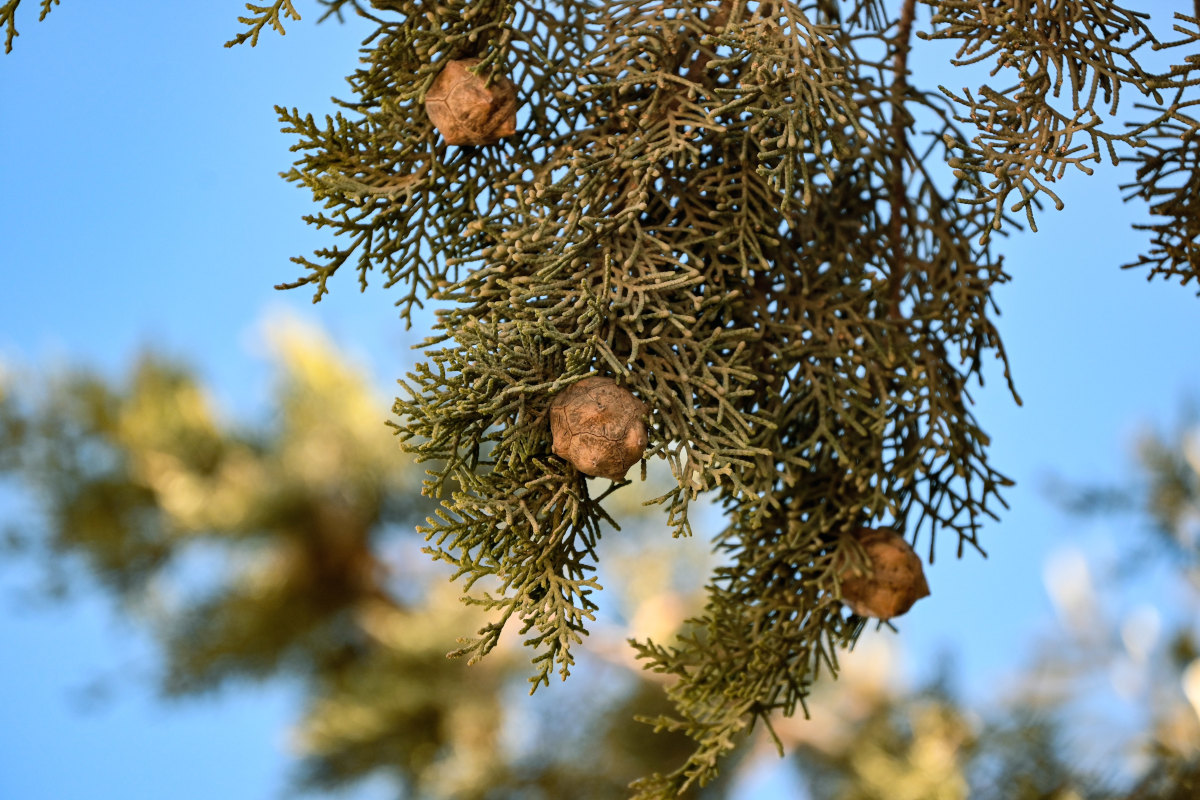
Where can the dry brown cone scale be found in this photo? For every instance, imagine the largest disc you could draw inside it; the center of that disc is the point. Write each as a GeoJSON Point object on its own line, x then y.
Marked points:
{"type": "Point", "coordinates": [597, 426]}
{"type": "Point", "coordinates": [466, 110]}
{"type": "Point", "coordinates": [896, 579]}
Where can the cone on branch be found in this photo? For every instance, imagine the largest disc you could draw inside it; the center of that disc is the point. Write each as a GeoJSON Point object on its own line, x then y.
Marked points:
{"type": "Point", "coordinates": [896, 579]}
{"type": "Point", "coordinates": [597, 426]}
{"type": "Point", "coordinates": [466, 110]}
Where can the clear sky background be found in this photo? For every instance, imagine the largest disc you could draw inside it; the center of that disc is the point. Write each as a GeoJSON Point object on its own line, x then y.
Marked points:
{"type": "Point", "coordinates": [140, 207]}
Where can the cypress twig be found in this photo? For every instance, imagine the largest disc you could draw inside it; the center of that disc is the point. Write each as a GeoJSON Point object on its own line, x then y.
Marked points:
{"type": "Point", "coordinates": [900, 149]}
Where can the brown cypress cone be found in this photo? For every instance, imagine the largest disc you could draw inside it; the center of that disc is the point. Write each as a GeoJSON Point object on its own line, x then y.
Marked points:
{"type": "Point", "coordinates": [597, 426]}
{"type": "Point", "coordinates": [465, 110]}
{"type": "Point", "coordinates": [897, 579]}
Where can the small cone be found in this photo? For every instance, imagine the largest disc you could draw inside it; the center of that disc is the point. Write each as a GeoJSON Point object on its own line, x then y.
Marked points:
{"type": "Point", "coordinates": [897, 579]}
{"type": "Point", "coordinates": [597, 426]}
{"type": "Point", "coordinates": [466, 111]}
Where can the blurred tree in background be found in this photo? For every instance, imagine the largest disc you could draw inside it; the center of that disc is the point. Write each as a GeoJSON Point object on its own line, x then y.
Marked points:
{"type": "Point", "coordinates": [286, 550]}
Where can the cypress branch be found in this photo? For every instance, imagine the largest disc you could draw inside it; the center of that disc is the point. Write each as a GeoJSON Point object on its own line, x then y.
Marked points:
{"type": "Point", "coordinates": [262, 16]}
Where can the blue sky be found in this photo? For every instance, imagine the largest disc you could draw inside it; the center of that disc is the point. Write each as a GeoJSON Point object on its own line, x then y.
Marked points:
{"type": "Point", "coordinates": [142, 207]}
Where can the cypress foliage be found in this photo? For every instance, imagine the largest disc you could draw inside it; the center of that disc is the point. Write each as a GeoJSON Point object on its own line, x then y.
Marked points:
{"type": "Point", "coordinates": [727, 207]}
